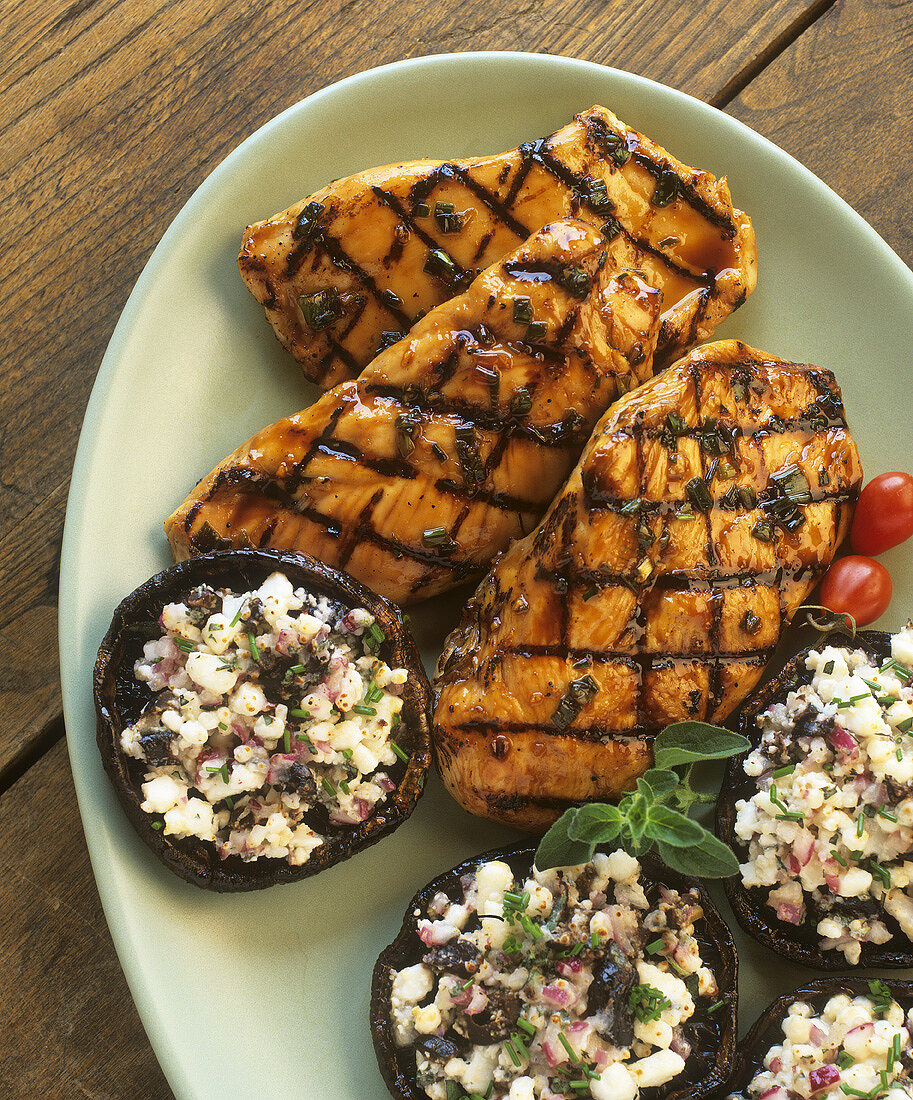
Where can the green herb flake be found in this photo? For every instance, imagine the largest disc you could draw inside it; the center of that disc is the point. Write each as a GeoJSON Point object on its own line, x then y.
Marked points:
{"type": "Point", "coordinates": [788, 769]}
{"type": "Point", "coordinates": [647, 1003]}
{"type": "Point", "coordinates": [699, 494]}
{"type": "Point", "coordinates": [322, 309]}
{"type": "Point", "coordinates": [399, 752]}
{"type": "Point", "coordinates": [522, 311]}
{"type": "Point", "coordinates": [845, 1060]}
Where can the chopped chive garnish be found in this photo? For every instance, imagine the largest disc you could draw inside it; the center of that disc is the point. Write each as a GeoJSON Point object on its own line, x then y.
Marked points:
{"type": "Point", "coordinates": [298, 712]}
{"type": "Point", "coordinates": [656, 946]}
{"type": "Point", "coordinates": [787, 770]}
{"type": "Point", "coordinates": [905, 725]}
{"type": "Point", "coordinates": [328, 786]}
{"type": "Point", "coordinates": [828, 668]}
{"type": "Point", "coordinates": [899, 754]}
{"type": "Point", "coordinates": [376, 633]}
{"type": "Point", "coordinates": [572, 1054]}
{"type": "Point", "coordinates": [360, 709]}
{"type": "Point", "coordinates": [594, 940]}
{"type": "Point", "coordinates": [185, 645]}
{"type": "Point", "coordinates": [529, 1028]}
{"type": "Point", "coordinates": [512, 1051]}
{"type": "Point", "coordinates": [399, 752]}
{"type": "Point", "coordinates": [156, 824]}
{"type": "Point", "coordinates": [886, 815]}
{"type": "Point", "coordinates": [790, 815]}
{"type": "Point", "coordinates": [237, 618]}
{"type": "Point", "coordinates": [845, 1059]}
{"type": "Point", "coordinates": [838, 857]}
{"type": "Point", "coordinates": [763, 531]}
{"type": "Point", "coordinates": [230, 802]}
{"type": "Point", "coordinates": [517, 1040]}
{"type": "Point", "coordinates": [252, 645]}
{"type": "Point", "coordinates": [530, 927]}
{"type": "Point", "coordinates": [344, 787]}
{"type": "Point", "coordinates": [860, 825]}
{"type": "Point", "coordinates": [716, 1006]}
{"type": "Point", "coordinates": [287, 739]}
{"type": "Point", "coordinates": [297, 668]}
{"type": "Point", "coordinates": [880, 872]}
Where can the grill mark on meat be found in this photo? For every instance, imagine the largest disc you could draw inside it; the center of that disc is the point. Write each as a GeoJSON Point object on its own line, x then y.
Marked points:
{"type": "Point", "coordinates": [560, 433]}
{"type": "Point", "coordinates": [491, 200]}
{"type": "Point", "coordinates": [359, 529]}
{"type": "Point", "coordinates": [629, 660]}
{"type": "Point", "coordinates": [685, 191]}
{"type": "Point", "coordinates": [577, 185]}
{"type": "Point", "coordinates": [463, 275]}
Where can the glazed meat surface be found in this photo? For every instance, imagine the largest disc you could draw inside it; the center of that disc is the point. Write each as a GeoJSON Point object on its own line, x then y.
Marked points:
{"type": "Point", "coordinates": [702, 512]}
{"type": "Point", "coordinates": [454, 440]}
{"type": "Point", "coordinates": [354, 265]}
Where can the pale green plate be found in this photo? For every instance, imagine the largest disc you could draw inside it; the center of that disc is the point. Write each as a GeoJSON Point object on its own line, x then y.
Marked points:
{"type": "Point", "coordinates": [267, 994]}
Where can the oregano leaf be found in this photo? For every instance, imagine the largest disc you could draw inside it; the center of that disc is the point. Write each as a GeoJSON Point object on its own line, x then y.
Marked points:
{"type": "Point", "coordinates": [671, 827]}
{"type": "Point", "coordinates": [597, 823]}
{"type": "Point", "coordinates": [709, 858]}
{"type": "Point", "coordinates": [661, 781]}
{"type": "Point", "coordinates": [688, 742]}
{"type": "Point", "coordinates": [558, 849]}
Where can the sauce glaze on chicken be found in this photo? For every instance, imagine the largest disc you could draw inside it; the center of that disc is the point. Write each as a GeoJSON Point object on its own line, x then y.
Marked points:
{"type": "Point", "coordinates": [704, 509]}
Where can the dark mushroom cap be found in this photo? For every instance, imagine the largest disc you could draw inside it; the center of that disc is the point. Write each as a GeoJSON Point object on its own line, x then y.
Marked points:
{"type": "Point", "coordinates": [767, 1030]}
{"type": "Point", "coordinates": [119, 700]}
{"type": "Point", "coordinates": [798, 943]}
{"type": "Point", "coordinates": [707, 1069]}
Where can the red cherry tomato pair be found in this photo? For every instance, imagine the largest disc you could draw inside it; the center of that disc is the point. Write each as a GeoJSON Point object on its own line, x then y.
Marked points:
{"type": "Point", "coordinates": [857, 585]}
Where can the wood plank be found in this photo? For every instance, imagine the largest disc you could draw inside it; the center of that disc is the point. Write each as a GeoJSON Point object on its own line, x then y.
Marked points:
{"type": "Point", "coordinates": [70, 1029]}
{"type": "Point", "coordinates": [838, 101]}
{"type": "Point", "coordinates": [114, 111]}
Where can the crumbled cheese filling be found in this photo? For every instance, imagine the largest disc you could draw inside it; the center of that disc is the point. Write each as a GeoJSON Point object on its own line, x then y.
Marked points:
{"type": "Point", "coordinates": [856, 1047]}
{"type": "Point", "coordinates": [265, 705]}
{"type": "Point", "coordinates": [568, 984]}
{"type": "Point", "coordinates": [830, 829]}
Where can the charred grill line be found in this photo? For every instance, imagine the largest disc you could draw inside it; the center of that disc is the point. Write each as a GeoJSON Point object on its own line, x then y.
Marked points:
{"type": "Point", "coordinates": [520, 176]}
{"type": "Point", "coordinates": [667, 507]}
{"type": "Point", "coordinates": [295, 478]}
{"type": "Point", "coordinates": [491, 200]}
{"type": "Point", "coordinates": [687, 192]}
{"type": "Point", "coordinates": [577, 186]}
{"type": "Point", "coordinates": [560, 433]}
{"type": "Point", "coordinates": [407, 220]}
{"type": "Point", "coordinates": [360, 529]}
{"type": "Point", "coordinates": [631, 660]}
{"type": "Point", "coordinates": [348, 452]}
{"type": "Point", "coordinates": [339, 352]}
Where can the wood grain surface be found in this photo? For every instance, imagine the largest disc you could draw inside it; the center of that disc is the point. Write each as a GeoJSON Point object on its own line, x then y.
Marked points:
{"type": "Point", "coordinates": [111, 113]}
{"type": "Point", "coordinates": [63, 997]}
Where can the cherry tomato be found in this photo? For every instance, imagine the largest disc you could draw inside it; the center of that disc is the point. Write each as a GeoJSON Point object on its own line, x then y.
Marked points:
{"type": "Point", "coordinates": [859, 586]}
{"type": "Point", "coordinates": [884, 514]}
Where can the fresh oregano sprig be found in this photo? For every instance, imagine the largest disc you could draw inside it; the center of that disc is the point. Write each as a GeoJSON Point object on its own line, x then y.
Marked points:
{"type": "Point", "coordinates": [654, 815]}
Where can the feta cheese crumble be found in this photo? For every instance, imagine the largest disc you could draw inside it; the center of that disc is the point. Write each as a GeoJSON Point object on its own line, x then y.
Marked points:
{"type": "Point", "coordinates": [266, 705]}
{"type": "Point", "coordinates": [830, 829]}
{"type": "Point", "coordinates": [569, 983]}
{"type": "Point", "coordinates": [857, 1046]}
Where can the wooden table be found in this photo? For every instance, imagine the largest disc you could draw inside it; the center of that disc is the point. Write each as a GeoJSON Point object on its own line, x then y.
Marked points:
{"type": "Point", "coordinates": [111, 113]}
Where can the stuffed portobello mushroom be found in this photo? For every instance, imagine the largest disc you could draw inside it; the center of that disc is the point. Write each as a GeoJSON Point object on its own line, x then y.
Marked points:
{"type": "Point", "coordinates": [261, 716]}
{"type": "Point", "coordinates": [604, 980]}
{"type": "Point", "coordinates": [833, 1039]}
{"type": "Point", "coordinates": [820, 811]}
